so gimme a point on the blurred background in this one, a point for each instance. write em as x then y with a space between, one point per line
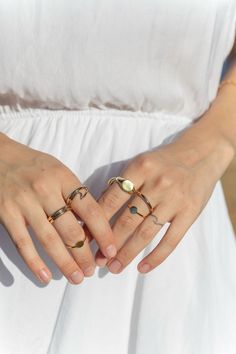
229 178
229 184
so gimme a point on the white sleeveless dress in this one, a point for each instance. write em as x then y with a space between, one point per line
187 305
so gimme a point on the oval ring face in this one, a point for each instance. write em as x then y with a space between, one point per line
127 185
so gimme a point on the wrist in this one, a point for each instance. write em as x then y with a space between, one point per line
9 149
3 139
205 143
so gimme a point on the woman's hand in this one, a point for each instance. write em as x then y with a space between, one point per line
178 180
33 185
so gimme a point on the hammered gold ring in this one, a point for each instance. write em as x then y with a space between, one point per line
124 184
58 213
76 191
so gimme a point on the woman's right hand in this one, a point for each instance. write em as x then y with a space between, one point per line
34 185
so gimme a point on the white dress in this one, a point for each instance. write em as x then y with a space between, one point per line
187 305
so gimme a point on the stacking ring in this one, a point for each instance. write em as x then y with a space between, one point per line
134 210
78 244
125 184
58 213
72 195
155 220
149 205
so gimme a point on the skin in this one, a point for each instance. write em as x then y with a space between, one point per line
178 179
33 185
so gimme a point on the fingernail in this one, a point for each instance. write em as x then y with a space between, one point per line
115 266
101 262
145 267
76 277
44 276
89 271
111 251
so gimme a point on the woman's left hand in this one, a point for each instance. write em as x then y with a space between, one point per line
178 180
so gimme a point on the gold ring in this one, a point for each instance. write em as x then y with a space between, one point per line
76 191
78 244
58 213
125 184
149 205
155 220
134 210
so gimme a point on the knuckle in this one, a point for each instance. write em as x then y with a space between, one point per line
21 242
124 256
7 207
110 200
155 260
73 233
49 240
163 182
170 242
11 189
126 221
21 197
84 262
104 239
60 170
146 233
93 210
191 209
40 186
144 162
33 262
68 266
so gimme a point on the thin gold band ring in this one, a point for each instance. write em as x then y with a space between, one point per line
149 205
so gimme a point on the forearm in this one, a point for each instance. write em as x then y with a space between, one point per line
222 113
3 138
5 143
214 134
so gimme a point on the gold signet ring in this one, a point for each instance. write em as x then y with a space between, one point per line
125 184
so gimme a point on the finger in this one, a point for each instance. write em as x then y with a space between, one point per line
142 236
53 244
113 198
93 216
126 224
87 233
71 232
166 246
19 234
133 215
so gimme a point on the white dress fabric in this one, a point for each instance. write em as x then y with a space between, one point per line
187 305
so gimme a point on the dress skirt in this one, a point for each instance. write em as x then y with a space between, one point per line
187 305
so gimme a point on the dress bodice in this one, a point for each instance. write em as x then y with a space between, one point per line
157 55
